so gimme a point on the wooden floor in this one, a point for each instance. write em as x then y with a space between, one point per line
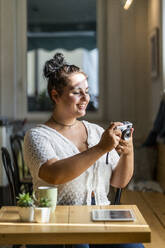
152 206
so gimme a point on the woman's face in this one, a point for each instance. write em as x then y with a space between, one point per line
75 97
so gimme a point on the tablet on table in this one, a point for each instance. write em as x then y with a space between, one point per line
112 215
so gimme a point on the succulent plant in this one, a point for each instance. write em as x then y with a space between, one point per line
43 202
25 200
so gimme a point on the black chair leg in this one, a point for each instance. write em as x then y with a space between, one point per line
118 196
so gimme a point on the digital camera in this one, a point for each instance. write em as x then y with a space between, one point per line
125 129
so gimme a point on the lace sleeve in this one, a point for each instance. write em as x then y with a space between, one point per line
37 150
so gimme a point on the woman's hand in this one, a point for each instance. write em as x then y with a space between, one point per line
124 169
125 146
111 137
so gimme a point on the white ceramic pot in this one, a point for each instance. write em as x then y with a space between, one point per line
26 214
42 215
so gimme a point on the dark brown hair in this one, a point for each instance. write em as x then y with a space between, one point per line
57 72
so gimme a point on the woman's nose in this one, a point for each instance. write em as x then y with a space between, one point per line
85 96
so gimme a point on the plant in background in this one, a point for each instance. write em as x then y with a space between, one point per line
43 202
44 102
42 210
25 200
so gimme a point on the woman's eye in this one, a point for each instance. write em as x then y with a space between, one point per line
76 93
80 93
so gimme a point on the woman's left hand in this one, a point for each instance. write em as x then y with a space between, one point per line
125 146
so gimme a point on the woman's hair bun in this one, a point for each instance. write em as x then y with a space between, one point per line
53 65
59 59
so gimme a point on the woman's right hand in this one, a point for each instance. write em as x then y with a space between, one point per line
111 137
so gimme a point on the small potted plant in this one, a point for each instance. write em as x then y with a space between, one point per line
42 210
26 203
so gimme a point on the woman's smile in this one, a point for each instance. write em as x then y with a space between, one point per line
82 106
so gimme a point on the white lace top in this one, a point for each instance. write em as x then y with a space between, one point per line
43 143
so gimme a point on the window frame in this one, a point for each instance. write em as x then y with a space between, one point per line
98 114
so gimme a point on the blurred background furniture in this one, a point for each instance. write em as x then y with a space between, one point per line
9 169
21 171
117 196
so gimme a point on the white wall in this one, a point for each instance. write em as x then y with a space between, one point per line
125 60
12 58
7 57
155 20
142 84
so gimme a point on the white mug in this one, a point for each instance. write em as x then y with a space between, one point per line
48 192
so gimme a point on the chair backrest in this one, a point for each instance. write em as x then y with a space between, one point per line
117 196
7 163
22 172
118 191
17 152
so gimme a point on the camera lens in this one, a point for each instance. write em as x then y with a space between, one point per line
126 134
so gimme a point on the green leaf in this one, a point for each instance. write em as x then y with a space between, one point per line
25 200
43 202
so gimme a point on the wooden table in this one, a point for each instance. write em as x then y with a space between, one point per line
73 225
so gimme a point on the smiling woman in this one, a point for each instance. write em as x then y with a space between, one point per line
70 153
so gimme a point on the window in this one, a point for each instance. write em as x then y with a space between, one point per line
64 26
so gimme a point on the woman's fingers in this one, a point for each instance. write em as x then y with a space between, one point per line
132 130
120 149
124 142
113 125
113 128
125 146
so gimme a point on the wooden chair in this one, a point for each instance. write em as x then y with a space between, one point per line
118 191
13 187
7 163
21 172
